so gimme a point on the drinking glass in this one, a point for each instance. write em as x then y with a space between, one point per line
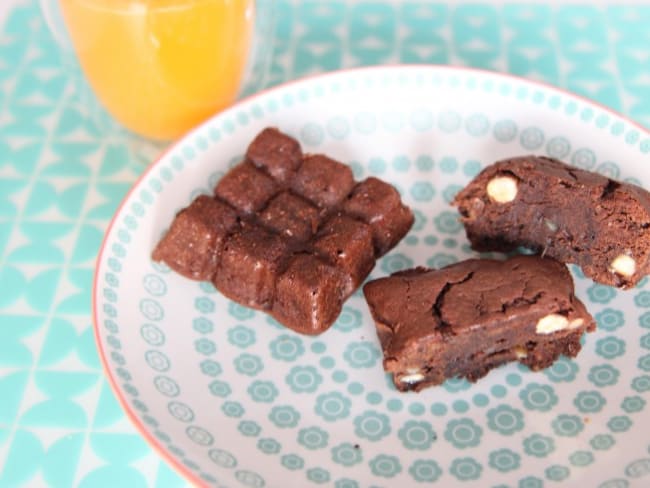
160 67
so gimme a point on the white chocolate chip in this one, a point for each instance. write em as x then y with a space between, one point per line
502 189
575 323
521 352
552 323
623 265
412 376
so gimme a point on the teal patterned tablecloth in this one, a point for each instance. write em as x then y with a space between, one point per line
64 167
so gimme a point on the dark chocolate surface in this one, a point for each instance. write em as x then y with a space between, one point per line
291 216
572 215
278 236
467 318
277 153
246 188
347 243
323 181
378 204
309 294
195 239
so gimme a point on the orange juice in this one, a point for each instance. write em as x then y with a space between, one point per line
161 66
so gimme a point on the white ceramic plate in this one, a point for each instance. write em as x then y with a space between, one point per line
231 398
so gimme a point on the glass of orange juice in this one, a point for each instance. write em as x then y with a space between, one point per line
160 67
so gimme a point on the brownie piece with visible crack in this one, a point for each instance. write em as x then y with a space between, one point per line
286 233
470 317
570 214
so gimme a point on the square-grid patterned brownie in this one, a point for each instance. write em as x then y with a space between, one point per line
467 318
290 234
567 213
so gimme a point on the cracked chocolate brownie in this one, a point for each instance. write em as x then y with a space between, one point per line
472 316
290 234
569 214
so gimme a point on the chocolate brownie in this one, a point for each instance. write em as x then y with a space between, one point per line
379 205
193 243
288 234
309 294
347 243
246 188
279 154
250 262
472 316
569 214
323 181
292 216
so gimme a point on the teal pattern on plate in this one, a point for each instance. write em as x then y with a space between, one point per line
376 423
64 168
